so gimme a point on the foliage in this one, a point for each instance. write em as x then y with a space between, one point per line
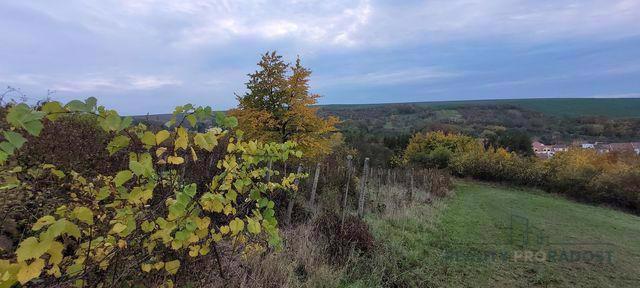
342 240
278 107
434 149
612 178
512 140
146 217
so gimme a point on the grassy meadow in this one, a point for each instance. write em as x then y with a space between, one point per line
416 243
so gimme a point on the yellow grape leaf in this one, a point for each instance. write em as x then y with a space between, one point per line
83 214
31 248
160 151
194 156
229 209
183 139
31 271
43 221
158 265
253 226
118 227
56 253
172 266
224 229
55 271
161 136
236 226
177 160
194 251
146 267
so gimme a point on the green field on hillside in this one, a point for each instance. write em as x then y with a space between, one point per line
571 107
452 243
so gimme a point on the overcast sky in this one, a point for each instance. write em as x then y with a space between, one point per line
148 56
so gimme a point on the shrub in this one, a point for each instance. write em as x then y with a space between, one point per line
342 240
149 216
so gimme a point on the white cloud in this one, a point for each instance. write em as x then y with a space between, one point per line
389 77
91 83
320 23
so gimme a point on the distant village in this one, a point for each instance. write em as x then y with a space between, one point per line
545 151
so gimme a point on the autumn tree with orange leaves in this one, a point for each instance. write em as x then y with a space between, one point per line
278 107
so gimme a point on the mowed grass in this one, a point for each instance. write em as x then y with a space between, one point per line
417 244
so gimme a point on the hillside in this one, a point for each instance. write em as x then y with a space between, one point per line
571 107
449 244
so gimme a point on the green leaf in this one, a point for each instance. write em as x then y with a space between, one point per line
77 106
7 147
14 138
53 110
140 196
90 104
122 177
112 122
148 138
31 248
136 167
61 226
192 120
103 193
22 116
231 122
83 214
118 227
117 143
43 222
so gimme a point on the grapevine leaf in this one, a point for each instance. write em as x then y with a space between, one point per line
236 226
31 271
183 139
22 116
253 226
53 109
83 214
148 138
31 248
122 177
117 143
14 138
55 250
118 227
77 106
192 120
43 221
136 167
172 266
161 136
177 160
7 147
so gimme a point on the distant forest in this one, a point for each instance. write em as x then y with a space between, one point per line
384 129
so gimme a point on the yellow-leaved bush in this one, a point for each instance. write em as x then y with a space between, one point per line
146 218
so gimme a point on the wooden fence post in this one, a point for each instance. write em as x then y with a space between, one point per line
312 199
363 187
411 185
346 191
292 198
